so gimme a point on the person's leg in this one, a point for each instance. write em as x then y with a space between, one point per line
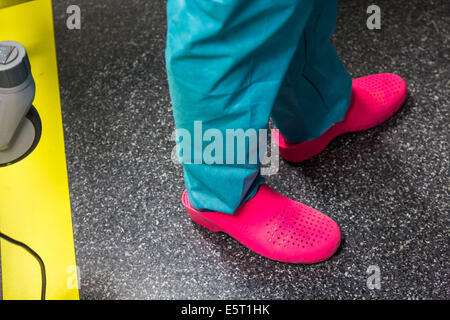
318 100
226 61
316 90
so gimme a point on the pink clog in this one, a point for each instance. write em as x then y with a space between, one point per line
275 227
374 99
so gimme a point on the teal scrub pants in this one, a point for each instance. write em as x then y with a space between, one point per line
232 64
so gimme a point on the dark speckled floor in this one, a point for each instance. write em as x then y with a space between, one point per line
387 188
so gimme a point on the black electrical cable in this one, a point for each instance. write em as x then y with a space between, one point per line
35 255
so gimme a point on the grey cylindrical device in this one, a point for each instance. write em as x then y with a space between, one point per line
20 124
17 89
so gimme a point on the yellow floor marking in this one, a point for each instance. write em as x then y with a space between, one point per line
9 3
34 194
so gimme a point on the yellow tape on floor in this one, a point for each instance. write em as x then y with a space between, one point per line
34 194
9 3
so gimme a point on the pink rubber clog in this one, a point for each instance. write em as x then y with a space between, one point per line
374 99
275 227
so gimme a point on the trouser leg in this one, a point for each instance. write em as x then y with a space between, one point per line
316 91
226 61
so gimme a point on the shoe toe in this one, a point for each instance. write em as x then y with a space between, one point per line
383 93
300 234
